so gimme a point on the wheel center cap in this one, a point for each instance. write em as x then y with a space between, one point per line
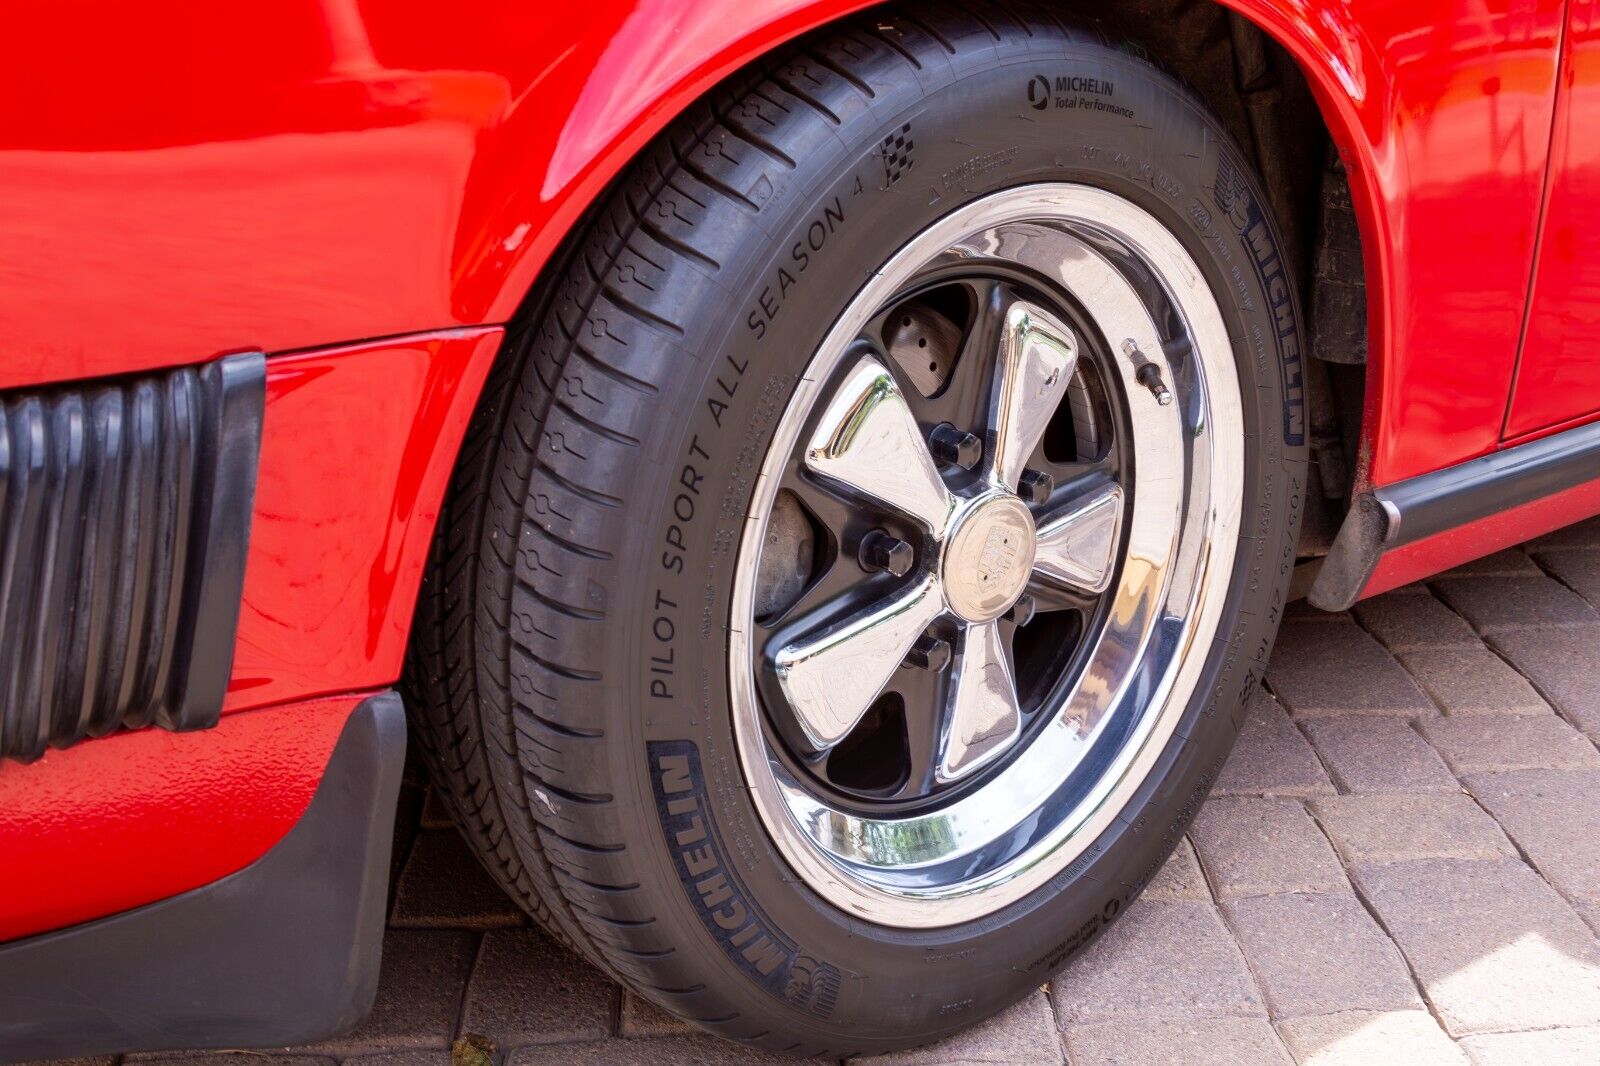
988 557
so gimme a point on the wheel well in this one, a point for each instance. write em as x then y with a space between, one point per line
1260 93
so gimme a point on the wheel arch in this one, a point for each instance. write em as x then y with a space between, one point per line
621 87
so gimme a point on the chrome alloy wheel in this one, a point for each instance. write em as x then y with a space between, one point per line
987 555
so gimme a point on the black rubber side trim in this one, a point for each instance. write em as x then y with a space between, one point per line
285 951
125 511
1424 506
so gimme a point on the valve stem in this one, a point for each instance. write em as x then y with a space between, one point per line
1148 373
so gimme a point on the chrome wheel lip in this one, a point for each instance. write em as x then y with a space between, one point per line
1026 824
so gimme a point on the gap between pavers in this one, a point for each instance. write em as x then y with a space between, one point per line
527 989
1471 679
1412 618
1191 1041
1495 948
1549 1047
1337 668
1577 568
1271 757
1025 1032
1160 960
1564 666
1378 755
1554 817
1496 605
1364 1038
1496 743
1318 953
1398 828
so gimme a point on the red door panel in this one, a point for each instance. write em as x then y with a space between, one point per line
1558 377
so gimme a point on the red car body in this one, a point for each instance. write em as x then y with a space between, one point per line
367 192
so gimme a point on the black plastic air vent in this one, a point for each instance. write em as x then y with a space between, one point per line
124 518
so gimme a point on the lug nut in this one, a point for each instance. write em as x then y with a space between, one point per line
1036 486
929 653
880 551
955 447
1021 612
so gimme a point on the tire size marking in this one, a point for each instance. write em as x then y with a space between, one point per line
1141 171
738 925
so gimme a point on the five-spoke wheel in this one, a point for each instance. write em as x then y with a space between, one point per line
981 556
983 537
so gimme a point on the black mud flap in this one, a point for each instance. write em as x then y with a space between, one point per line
285 951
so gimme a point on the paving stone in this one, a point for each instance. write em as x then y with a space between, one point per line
1471 679
1302 611
1024 1033
1271 757
1412 617
1508 562
641 1018
1585 534
1501 604
671 1051
1496 948
1554 816
1316 954
419 993
1397 828
1549 1047
1577 568
1589 911
1255 847
1505 742
1563 664
1191 1041
527 989
396 1058
1321 668
1161 960
213 1058
1379 755
444 886
1360 1038
1180 879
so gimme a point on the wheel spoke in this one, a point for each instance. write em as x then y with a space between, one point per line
1036 357
1078 542
983 718
831 678
869 442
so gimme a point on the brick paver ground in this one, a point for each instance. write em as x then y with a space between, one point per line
1401 863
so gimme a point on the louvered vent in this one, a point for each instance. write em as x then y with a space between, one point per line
124 519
